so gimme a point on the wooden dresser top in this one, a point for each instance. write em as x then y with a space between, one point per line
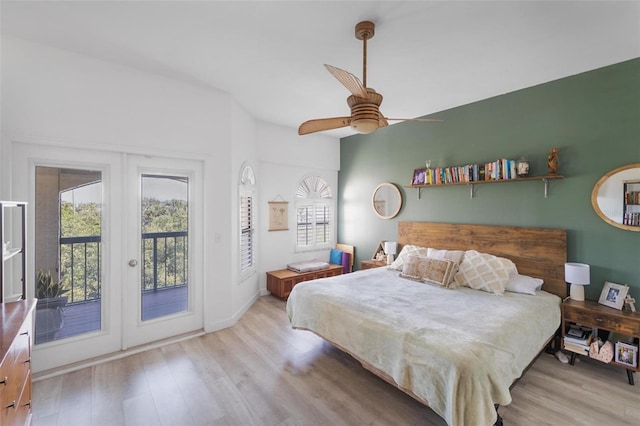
12 316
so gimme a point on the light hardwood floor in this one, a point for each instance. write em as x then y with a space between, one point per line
260 372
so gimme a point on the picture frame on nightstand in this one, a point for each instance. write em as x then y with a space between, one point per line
626 354
613 295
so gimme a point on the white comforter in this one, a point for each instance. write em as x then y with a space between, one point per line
458 350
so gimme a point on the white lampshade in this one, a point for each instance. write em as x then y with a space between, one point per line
578 275
390 247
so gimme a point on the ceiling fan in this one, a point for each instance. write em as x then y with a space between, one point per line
364 101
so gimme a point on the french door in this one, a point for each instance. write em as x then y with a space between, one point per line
121 234
164 209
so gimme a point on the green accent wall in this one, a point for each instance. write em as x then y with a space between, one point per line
593 119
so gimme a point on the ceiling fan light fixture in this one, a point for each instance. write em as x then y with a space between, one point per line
365 125
364 102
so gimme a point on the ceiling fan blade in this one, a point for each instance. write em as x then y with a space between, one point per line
348 80
427 120
321 124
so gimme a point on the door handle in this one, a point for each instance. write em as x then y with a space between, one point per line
133 263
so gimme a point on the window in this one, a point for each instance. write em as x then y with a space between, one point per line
314 214
247 219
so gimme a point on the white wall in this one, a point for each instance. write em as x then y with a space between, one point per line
244 290
58 98
285 159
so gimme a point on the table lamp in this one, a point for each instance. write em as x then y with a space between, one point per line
578 275
390 249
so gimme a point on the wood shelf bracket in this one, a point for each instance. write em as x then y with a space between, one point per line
546 187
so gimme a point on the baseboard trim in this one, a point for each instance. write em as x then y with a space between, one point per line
114 355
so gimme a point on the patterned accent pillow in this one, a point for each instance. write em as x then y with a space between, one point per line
428 270
486 272
406 251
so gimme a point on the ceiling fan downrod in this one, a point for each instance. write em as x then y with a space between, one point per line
364 31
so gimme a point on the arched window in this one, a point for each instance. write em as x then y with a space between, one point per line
247 219
314 214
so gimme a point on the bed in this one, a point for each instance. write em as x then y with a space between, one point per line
457 350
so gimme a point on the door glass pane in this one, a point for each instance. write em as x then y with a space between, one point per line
68 239
164 271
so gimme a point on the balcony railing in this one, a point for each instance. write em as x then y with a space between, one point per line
164 264
80 267
164 260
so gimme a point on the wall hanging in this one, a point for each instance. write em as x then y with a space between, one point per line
278 215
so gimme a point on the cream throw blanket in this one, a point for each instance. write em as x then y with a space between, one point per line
457 349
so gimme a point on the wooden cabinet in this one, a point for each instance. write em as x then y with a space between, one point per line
281 282
368 264
15 369
600 317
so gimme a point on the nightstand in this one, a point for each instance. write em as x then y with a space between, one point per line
600 317
368 264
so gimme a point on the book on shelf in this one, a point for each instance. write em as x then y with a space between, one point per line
501 169
578 335
583 342
577 339
581 349
575 331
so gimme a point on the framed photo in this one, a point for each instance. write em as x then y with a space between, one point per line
419 177
278 216
626 354
613 295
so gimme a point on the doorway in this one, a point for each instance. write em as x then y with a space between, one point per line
118 243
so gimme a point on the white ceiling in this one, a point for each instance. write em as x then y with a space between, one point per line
426 56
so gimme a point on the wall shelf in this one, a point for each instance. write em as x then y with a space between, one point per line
471 185
21 248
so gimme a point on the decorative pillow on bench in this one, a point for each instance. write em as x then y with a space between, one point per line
307 266
335 256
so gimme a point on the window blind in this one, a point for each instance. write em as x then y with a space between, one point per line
247 249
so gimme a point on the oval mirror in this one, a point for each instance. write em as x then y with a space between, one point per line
386 200
615 197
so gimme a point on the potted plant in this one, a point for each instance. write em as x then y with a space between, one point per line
49 293
50 307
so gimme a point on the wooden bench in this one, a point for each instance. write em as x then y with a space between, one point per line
281 282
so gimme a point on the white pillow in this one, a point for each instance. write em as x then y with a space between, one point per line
455 255
406 251
486 272
523 284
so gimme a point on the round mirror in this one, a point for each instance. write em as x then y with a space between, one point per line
616 197
386 200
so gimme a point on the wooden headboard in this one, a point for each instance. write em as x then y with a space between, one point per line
537 252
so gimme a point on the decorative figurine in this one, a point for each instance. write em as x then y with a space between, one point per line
522 167
552 163
630 302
